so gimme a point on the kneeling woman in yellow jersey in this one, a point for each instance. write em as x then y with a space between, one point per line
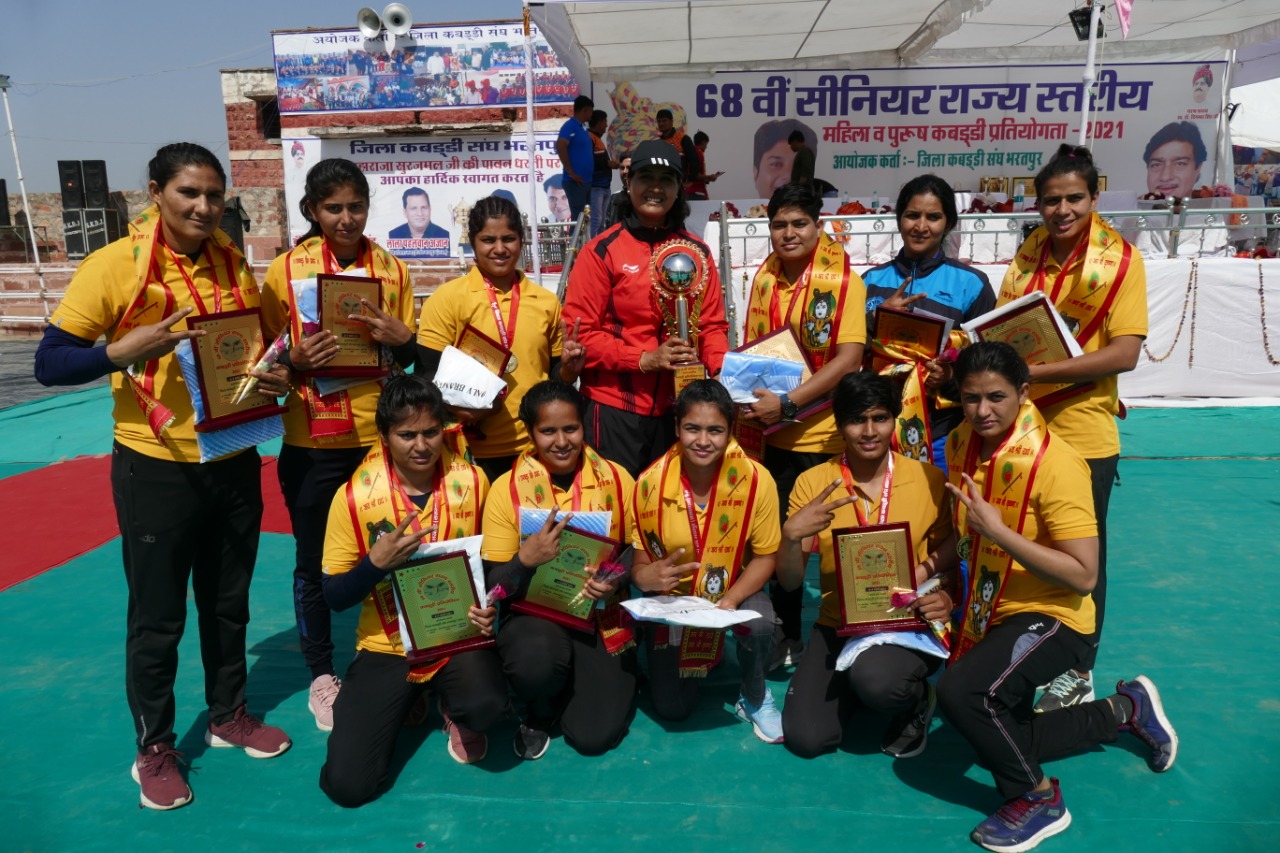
1024 515
496 300
707 521
409 488
586 680
875 486
326 437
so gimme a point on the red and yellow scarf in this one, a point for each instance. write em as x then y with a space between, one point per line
912 434
151 256
821 294
1010 473
329 418
597 487
667 518
377 503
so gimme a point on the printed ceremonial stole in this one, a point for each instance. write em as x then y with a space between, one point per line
1085 305
531 486
329 418
913 433
719 543
821 294
150 255
1010 473
377 503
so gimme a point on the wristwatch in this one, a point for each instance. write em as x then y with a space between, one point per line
789 409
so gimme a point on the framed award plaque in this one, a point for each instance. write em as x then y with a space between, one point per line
232 343
780 343
358 353
485 350
922 331
554 587
435 595
870 563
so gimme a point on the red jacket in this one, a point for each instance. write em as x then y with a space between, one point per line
611 291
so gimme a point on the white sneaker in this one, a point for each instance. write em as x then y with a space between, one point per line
324 690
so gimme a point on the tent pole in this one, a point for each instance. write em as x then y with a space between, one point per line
531 146
1090 77
1224 161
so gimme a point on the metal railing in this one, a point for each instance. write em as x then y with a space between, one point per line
864 235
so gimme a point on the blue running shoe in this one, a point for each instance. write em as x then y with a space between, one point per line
765 718
1023 822
1149 723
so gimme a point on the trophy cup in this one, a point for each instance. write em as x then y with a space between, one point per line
679 275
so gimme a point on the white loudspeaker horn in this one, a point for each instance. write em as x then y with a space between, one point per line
397 18
369 23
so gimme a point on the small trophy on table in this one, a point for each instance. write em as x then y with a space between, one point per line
679 276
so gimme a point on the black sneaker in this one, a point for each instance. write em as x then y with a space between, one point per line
786 652
530 742
908 733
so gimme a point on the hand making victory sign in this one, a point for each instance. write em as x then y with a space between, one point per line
815 516
385 329
573 355
149 342
543 546
394 548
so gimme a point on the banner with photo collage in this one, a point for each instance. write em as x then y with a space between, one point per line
455 65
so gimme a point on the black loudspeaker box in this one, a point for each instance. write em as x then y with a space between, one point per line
71 180
73 234
95 183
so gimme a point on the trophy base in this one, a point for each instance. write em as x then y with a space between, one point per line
685 374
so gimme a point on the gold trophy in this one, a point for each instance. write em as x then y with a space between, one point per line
679 275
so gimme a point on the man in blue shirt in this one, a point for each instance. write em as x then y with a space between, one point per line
574 149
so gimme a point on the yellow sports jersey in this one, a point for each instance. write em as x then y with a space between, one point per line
818 433
100 293
397 300
1061 508
502 522
918 496
764 537
538 338
342 552
1087 421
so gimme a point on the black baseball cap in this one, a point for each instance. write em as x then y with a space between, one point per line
655 152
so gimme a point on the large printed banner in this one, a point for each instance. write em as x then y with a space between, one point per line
421 189
874 129
447 66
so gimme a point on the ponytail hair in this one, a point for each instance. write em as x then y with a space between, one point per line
1069 160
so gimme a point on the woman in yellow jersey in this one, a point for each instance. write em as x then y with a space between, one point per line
1024 516
875 485
327 433
179 518
706 525
1099 285
409 489
587 681
496 300
806 285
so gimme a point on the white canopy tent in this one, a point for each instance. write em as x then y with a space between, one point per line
620 40
633 39
1256 123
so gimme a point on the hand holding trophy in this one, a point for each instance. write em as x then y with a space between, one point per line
679 275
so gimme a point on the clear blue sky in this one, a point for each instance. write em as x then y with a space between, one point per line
115 80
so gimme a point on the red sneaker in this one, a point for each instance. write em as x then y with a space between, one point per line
465 746
157 771
250 734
